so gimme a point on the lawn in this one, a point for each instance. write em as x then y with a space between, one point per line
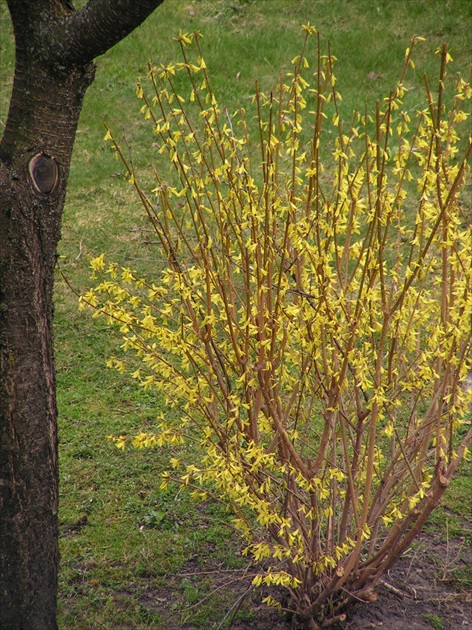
132 555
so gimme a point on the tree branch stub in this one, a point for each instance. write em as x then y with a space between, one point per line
43 173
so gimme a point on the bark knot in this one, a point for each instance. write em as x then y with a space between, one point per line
43 173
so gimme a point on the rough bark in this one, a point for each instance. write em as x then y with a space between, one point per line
55 48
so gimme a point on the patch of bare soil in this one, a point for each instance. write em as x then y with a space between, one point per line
425 589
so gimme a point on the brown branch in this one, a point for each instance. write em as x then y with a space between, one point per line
81 36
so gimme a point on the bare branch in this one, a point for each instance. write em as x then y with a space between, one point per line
80 37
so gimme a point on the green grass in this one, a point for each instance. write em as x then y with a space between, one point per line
133 556
435 621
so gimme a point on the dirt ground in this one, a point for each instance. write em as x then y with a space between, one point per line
423 590
427 589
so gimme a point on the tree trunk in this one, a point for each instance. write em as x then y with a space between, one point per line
55 47
35 166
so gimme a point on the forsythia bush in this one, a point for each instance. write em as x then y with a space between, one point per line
311 325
